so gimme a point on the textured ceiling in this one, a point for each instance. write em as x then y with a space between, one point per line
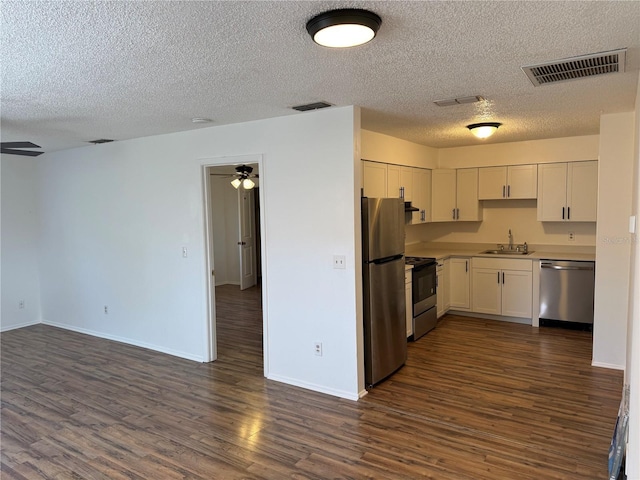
77 71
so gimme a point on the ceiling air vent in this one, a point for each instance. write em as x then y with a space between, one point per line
458 101
100 140
576 67
312 106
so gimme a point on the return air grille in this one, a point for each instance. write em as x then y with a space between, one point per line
576 67
312 106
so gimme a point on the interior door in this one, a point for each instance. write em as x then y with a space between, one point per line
247 242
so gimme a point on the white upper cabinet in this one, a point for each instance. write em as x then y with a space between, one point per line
421 195
374 179
568 192
514 181
454 195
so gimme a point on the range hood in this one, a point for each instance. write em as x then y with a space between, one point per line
410 208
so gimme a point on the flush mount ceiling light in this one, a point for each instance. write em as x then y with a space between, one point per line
484 129
344 27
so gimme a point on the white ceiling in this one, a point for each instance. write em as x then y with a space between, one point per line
82 70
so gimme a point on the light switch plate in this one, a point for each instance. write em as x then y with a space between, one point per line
632 224
339 261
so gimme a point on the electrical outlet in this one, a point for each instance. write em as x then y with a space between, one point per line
21 304
106 310
185 252
339 261
572 237
317 348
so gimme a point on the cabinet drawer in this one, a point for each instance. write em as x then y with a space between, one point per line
503 263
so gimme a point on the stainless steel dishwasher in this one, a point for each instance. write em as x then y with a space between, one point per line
566 290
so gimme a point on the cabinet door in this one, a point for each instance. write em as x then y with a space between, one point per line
522 181
409 302
487 291
440 292
406 183
582 191
492 183
443 195
552 192
374 179
445 284
517 293
468 206
459 285
393 181
422 195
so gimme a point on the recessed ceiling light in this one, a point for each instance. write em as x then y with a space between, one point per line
201 120
484 130
344 27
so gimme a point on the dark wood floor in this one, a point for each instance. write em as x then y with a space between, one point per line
477 400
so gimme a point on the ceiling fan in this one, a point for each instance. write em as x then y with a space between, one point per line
15 148
242 177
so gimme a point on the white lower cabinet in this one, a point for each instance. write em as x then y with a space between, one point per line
408 296
502 287
442 287
459 283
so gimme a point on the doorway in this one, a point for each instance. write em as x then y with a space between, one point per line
233 230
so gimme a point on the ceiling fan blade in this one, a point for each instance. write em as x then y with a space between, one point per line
19 145
25 153
223 174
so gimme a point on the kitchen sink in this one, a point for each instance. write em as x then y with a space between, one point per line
506 252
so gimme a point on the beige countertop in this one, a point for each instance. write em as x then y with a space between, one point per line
468 250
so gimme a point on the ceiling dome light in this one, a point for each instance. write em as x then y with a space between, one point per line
484 130
344 28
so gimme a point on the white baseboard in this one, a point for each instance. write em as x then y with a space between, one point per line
128 341
314 387
20 325
611 366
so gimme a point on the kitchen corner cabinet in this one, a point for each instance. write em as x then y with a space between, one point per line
568 192
509 182
459 283
454 195
502 287
442 287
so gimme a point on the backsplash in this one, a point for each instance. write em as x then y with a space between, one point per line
499 216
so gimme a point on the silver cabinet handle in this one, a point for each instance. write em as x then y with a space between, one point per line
401 192
466 266
503 277
454 213
498 277
503 192
568 213
508 190
563 213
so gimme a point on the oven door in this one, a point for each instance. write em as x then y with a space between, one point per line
423 288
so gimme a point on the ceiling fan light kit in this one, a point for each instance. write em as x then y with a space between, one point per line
484 129
344 27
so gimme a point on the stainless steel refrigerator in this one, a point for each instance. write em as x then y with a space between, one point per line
385 333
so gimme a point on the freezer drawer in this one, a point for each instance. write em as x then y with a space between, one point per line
566 291
384 320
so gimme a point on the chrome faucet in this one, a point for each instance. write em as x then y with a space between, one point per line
510 240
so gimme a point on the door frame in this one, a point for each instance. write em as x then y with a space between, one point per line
210 333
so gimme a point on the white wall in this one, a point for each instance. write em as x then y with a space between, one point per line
116 216
613 248
19 232
384 148
632 371
550 150
225 230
